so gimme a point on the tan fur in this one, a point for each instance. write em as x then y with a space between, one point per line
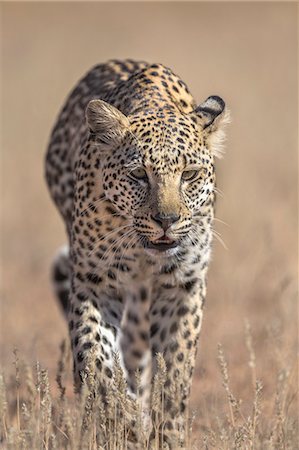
106 120
168 196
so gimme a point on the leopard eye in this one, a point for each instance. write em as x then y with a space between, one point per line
138 174
190 175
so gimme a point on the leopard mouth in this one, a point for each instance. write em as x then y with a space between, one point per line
162 244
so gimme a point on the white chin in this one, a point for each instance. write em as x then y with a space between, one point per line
162 253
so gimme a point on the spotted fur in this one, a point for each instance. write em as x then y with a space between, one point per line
130 166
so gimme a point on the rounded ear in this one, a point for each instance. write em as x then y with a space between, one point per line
210 110
106 121
212 117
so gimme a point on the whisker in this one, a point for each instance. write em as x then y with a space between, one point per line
100 218
219 238
127 235
91 205
116 230
199 214
218 192
134 137
220 221
115 244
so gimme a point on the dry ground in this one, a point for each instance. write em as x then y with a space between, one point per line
247 54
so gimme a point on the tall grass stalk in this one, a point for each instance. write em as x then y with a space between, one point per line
34 418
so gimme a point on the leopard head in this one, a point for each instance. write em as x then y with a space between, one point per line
157 167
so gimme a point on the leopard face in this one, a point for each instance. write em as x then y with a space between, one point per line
159 174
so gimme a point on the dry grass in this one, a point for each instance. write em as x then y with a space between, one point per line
33 417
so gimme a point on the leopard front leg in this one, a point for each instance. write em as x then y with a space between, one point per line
175 335
93 330
102 327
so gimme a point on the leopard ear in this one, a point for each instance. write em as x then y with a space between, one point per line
213 117
210 111
106 121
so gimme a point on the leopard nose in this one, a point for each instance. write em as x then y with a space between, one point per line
165 221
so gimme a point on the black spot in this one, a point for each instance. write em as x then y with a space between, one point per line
180 357
174 327
186 334
58 275
154 329
137 354
99 364
122 267
80 277
85 330
143 294
93 319
110 210
188 286
196 321
132 317
167 285
167 383
111 275
183 310
82 297
164 310
173 347
80 357
78 325
168 269
87 345
94 278
144 335
108 372
114 314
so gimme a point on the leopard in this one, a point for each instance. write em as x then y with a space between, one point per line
130 167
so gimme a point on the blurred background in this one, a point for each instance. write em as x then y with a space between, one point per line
244 52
